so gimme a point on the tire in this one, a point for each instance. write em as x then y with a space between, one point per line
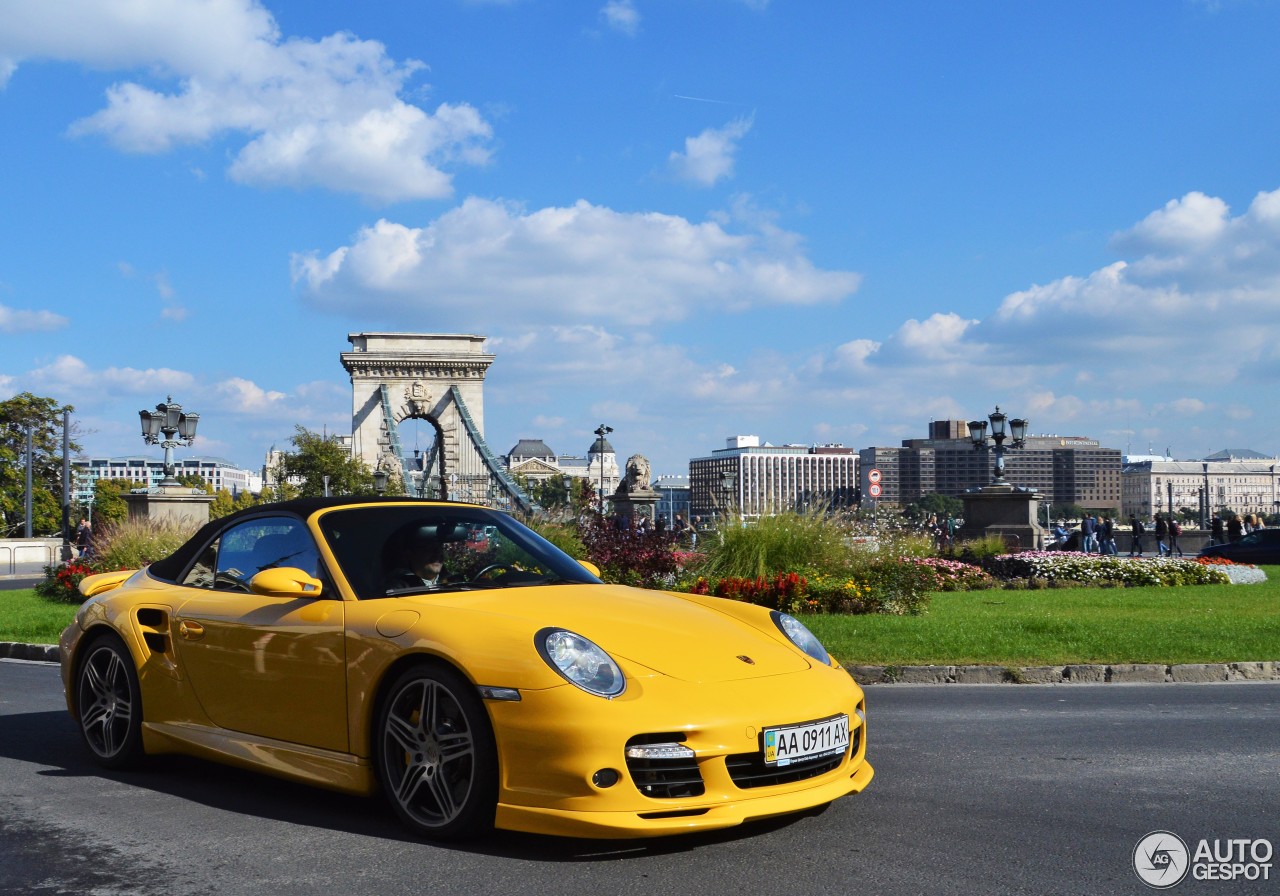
108 703
435 754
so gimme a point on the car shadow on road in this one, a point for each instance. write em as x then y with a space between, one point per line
50 741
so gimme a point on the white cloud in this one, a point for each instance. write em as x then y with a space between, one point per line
562 265
1184 223
621 15
69 375
709 156
1183 338
938 336
324 113
248 397
16 321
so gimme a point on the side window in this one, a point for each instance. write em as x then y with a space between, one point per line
242 552
201 573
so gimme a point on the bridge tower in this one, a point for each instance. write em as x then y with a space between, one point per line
438 378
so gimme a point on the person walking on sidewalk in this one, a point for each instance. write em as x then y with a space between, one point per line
1135 546
1175 529
1162 535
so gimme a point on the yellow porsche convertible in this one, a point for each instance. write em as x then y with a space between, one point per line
450 657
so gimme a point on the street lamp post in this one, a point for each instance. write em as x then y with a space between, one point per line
380 481
727 480
1002 428
177 428
601 432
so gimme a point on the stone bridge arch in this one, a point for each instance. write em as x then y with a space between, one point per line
434 377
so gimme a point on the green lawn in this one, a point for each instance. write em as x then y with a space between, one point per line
1193 624
27 618
1200 624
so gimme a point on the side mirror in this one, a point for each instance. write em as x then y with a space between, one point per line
285 581
590 567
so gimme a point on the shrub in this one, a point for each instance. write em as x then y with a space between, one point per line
628 557
785 542
561 534
980 550
62 583
133 544
127 544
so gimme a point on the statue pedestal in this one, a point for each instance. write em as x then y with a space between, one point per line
1008 511
633 505
179 504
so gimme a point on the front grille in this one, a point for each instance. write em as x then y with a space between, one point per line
665 778
748 769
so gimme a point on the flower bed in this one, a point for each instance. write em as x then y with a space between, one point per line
1091 569
953 575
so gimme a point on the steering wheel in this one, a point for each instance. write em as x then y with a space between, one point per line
500 568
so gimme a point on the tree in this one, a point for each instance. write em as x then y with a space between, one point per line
44 416
942 505
109 505
550 493
315 457
195 480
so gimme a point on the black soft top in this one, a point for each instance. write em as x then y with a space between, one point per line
171 567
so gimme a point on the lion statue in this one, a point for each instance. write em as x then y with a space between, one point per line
638 474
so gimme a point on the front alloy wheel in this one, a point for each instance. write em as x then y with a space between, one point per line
109 703
436 756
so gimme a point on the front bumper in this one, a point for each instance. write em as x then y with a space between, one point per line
553 743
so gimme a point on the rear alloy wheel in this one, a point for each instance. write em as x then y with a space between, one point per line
435 753
109 703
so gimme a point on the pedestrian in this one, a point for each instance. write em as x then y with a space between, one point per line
1108 545
1162 535
1088 532
84 540
1135 546
1175 529
1061 535
1235 528
1217 531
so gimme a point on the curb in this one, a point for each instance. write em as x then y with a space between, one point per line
1120 673
39 653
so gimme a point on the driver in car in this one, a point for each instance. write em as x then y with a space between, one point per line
420 564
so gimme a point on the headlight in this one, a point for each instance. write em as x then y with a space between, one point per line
580 662
800 636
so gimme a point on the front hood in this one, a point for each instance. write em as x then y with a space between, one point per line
664 633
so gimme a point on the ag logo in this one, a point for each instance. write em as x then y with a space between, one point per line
1161 860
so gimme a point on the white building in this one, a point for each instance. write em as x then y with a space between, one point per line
219 472
534 460
1238 481
756 479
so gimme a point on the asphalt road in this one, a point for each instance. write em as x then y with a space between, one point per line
979 790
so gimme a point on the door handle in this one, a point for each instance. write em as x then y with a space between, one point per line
192 631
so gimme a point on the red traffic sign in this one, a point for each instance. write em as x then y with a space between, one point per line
875 490
873 475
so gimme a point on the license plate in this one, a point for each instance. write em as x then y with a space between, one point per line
810 740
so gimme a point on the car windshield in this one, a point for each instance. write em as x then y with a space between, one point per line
393 549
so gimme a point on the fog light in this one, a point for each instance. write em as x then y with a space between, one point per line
659 751
606 777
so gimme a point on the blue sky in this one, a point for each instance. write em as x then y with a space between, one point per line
809 221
